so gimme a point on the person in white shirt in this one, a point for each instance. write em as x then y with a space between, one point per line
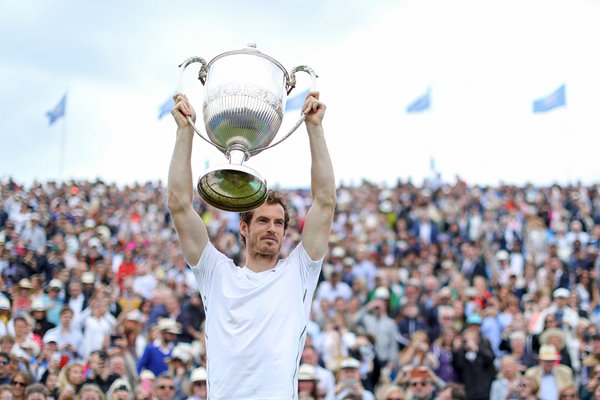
333 288
256 314
97 325
144 282
67 338
76 300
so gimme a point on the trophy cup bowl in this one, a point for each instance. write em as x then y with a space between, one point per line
243 108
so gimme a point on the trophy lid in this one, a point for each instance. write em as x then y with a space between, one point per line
251 50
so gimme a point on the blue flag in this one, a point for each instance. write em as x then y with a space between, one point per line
296 102
166 107
553 100
421 104
58 111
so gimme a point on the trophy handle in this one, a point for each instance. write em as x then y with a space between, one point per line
291 84
202 77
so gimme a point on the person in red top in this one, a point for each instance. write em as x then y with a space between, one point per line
126 268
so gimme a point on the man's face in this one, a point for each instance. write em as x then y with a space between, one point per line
65 318
349 375
21 328
264 235
199 389
309 356
421 388
547 365
164 389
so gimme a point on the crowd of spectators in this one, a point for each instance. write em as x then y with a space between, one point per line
447 291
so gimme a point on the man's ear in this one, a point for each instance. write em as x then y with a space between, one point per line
243 228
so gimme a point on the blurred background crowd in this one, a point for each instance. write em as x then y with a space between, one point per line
447 291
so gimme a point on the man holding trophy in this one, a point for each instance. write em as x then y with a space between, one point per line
256 314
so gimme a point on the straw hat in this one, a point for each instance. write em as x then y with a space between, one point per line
553 332
198 375
25 284
169 325
548 353
307 372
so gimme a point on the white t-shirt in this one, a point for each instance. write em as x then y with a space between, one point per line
255 324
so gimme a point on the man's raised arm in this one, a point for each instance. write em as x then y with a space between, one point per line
191 231
317 225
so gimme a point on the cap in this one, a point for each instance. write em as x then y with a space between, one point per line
548 353
49 338
502 255
25 283
382 293
307 372
38 305
147 374
4 303
88 277
199 374
338 252
56 284
419 372
474 319
181 354
562 293
350 363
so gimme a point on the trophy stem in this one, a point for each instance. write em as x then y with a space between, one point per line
237 155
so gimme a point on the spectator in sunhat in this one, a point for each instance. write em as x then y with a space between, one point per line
53 300
198 388
548 375
22 296
41 325
5 314
155 353
307 382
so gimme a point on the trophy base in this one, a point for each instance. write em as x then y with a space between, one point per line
233 187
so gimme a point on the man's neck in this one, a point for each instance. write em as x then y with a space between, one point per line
260 262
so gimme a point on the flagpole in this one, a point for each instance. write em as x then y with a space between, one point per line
62 149
568 149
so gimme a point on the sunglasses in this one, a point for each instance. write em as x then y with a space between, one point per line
17 383
418 383
163 387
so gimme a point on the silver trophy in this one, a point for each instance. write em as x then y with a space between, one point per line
244 103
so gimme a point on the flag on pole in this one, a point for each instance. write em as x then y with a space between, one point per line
554 100
421 104
58 111
166 107
296 102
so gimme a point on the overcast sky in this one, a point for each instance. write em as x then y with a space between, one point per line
485 61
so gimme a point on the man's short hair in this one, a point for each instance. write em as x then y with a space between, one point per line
164 375
37 388
65 309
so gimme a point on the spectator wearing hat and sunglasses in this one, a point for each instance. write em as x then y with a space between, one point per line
550 376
